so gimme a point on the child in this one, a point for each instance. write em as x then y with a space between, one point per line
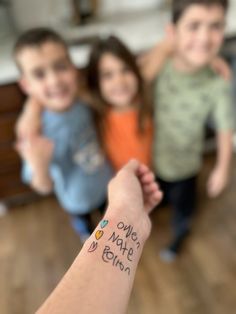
67 156
122 112
187 92
118 93
120 96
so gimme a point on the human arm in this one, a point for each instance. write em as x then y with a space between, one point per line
224 121
37 152
98 281
152 62
219 177
220 66
29 122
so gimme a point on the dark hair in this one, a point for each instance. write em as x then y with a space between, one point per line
180 6
114 46
36 37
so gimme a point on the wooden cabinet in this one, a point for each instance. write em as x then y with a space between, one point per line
11 188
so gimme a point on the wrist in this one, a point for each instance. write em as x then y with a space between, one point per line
131 222
42 182
116 244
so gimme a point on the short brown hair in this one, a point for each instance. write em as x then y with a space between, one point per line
180 6
36 37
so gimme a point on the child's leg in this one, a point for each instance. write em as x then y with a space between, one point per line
82 225
164 186
182 197
183 200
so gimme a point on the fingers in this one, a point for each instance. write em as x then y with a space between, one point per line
132 165
147 178
150 188
145 175
142 169
152 194
153 200
20 147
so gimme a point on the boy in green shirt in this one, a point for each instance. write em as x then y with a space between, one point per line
187 93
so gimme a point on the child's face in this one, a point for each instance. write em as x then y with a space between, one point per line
118 84
48 75
199 34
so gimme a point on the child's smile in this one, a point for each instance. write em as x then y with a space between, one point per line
117 82
49 76
199 35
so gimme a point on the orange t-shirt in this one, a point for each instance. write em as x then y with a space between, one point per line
123 141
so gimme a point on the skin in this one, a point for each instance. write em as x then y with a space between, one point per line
38 151
92 285
50 79
118 83
194 43
198 38
48 75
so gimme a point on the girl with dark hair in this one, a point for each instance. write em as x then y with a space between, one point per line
122 110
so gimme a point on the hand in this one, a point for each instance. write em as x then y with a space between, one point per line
220 66
217 182
29 123
37 151
132 194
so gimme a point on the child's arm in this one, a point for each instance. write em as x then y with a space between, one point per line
37 152
100 279
220 66
152 62
220 175
29 122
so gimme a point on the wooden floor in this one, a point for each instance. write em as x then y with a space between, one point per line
37 245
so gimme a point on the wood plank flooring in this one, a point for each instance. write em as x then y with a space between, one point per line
37 245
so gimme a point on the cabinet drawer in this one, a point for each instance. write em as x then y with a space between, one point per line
12 190
11 98
7 125
9 159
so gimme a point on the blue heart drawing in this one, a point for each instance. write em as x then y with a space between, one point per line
104 223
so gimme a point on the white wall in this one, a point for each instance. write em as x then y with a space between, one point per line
114 6
31 13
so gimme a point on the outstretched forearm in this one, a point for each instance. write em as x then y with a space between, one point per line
101 278
105 267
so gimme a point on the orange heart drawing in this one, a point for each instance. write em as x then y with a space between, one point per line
99 234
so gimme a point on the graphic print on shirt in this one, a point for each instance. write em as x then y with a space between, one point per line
88 154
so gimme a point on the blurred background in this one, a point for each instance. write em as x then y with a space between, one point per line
37 244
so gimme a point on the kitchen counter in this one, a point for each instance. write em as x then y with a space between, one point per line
139 31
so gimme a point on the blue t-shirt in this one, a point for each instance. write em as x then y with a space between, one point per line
79 169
